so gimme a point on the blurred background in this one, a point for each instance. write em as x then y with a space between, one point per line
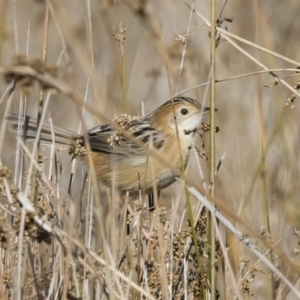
255 122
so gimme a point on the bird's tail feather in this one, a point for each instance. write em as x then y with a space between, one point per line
28 127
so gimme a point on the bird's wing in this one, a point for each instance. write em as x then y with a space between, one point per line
106 138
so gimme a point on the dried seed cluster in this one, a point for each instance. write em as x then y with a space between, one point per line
126 122
114 139
5 172
291 100
206 127
7 278
153 273
120 36
181 38
31 229
77 148
26 81
248 274
292 97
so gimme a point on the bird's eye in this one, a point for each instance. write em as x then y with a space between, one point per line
184 111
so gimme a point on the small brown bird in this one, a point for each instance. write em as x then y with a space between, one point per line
121 162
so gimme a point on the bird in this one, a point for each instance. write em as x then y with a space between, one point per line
121 162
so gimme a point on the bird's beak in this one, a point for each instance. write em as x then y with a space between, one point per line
207 109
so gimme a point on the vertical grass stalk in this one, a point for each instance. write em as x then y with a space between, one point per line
211 229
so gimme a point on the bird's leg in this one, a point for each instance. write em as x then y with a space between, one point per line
151 201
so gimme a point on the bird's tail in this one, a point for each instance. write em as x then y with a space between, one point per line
28 128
